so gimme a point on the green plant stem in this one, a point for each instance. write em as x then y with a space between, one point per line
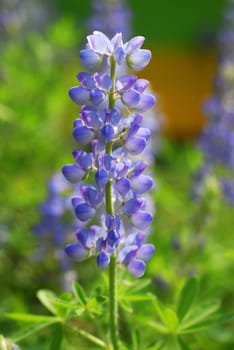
113 300
113 304
88 336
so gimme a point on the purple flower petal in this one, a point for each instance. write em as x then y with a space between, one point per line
141 219
138 239
145 133
134 127
76 251
136 145
79 95
136 268
113 238
90 117
123 186
141 85
73 173
86 80
115 116
91 195
134 44
131 98
86 238
84 211
140 166
78 122
119 55
103 260
107 133
83 158
131 206
76 201
89 58
99 43
142 183
146 102
138 59
126 82
103 81
97 96
127 254
145 252
101 178
118 50
83 135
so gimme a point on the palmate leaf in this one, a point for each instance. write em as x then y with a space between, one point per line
33 328
200 312
159 309
187 298
208 322
137 286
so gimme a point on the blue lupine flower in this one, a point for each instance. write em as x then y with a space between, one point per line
110 130
217 138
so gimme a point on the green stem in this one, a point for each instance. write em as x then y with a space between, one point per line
88 336
113 302
113 305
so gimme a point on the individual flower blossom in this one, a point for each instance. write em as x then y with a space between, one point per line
99 49
111 206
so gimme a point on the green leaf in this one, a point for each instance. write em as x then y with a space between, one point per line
209 322
27 331
171 320
136 298
159 327
187 297
57 337
200 312
137 286
79 293
159 308
126 306
47 297
30 318
136 339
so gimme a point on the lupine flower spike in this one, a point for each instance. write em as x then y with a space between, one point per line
115 215
217 139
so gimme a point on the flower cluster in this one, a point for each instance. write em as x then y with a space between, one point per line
217 138
110 17
116 217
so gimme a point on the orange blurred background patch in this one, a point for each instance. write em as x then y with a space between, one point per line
182 81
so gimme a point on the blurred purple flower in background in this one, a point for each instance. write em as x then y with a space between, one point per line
56 223
217 138
110 17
